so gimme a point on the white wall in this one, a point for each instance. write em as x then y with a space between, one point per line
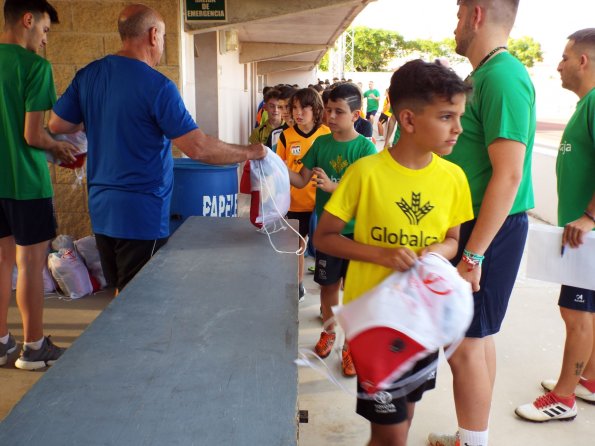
234 101
302 78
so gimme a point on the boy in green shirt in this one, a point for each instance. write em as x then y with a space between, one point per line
327 160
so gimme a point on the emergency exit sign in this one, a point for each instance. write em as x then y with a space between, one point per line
205 11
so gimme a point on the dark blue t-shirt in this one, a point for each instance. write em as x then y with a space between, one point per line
130 112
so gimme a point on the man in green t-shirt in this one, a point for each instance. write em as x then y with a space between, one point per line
576 214
26 212
372 97
494 151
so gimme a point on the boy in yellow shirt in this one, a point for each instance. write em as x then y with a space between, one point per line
406 200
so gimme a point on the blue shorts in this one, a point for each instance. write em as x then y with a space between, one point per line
28 221
498 273
328 269
371 113
578 299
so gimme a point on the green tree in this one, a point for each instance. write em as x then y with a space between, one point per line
373 49
526 49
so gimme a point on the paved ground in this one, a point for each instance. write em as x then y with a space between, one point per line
529 350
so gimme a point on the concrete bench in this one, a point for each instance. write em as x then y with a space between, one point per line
197 350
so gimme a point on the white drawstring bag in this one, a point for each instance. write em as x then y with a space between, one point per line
270 178
62 242
87 249
404 319
70 273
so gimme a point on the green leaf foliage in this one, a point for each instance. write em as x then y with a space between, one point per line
375 49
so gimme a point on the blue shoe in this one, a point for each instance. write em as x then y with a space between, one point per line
31 359
7 349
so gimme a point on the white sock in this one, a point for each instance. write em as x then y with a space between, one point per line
473 438
4 339
34 345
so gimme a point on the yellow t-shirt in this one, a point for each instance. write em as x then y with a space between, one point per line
395 206
292 146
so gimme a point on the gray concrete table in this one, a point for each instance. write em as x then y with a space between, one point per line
197 350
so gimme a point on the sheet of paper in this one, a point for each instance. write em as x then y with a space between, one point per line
545 262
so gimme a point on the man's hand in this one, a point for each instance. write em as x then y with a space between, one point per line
575 231
399 259
257 151
472 276
64 151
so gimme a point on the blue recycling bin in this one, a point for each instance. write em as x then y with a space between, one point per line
202 190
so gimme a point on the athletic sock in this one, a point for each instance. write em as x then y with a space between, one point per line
473 438
589 384
34 345
4 339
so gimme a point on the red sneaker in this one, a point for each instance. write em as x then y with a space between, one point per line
347 363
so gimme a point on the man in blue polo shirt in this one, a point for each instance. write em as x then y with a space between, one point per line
132 114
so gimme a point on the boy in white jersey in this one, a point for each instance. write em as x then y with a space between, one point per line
406 201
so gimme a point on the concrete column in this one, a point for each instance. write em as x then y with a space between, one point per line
207 82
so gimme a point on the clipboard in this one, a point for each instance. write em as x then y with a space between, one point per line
575 268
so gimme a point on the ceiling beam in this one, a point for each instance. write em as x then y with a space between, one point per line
271 66
259 51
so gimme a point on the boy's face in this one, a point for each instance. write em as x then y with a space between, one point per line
438 125
339 117
273 108
285 112
302 115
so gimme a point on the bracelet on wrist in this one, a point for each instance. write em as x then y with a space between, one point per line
589 215
472 259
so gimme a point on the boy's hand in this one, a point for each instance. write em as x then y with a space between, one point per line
472 276
399 259
322 181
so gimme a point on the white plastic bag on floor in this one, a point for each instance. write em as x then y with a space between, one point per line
49 286
70 273
87 249
63 242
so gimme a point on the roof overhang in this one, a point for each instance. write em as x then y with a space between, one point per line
285 35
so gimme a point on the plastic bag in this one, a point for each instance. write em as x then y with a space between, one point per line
404 319
62 242
77 139
268 177
70 273
87 249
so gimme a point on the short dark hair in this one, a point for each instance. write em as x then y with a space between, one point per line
584 38
419 83
308 97
286 92
350 93
15 9
271 93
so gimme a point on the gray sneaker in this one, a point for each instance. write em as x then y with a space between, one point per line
38 359
7 349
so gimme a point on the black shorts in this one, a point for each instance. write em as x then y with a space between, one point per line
498 273
578 299
28 221
383 118
304 221
384 409
121 258
370 113
328 269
